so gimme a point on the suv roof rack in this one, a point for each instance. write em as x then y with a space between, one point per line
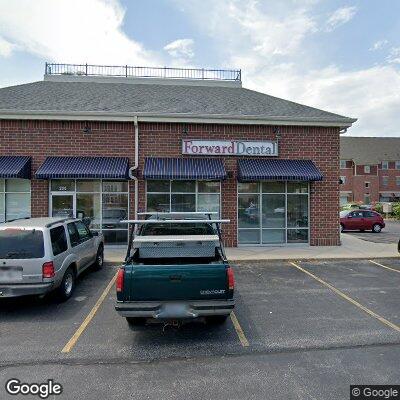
60 221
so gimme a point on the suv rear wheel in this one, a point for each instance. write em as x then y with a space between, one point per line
376 228
65 290
98 264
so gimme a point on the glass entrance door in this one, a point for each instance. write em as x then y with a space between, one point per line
62 205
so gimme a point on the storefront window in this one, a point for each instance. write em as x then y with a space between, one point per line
249 211
115 209
106 203
183 202
15 199
88 206
183 196
249 187
88 186
273 212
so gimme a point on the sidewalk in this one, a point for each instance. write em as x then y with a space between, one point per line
352 247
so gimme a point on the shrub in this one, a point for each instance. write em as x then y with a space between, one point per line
379 208
396 210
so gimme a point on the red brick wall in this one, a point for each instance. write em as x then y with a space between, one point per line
318 144
40 139
356 183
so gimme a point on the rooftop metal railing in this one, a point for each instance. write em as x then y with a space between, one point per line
143 72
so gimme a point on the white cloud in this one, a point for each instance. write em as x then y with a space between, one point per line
379 45
271 47
394 55
72 31
264 33
181 48
339 17
6 47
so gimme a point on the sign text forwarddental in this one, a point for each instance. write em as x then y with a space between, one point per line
229 148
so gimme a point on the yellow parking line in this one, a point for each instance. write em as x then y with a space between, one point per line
72 342
239 330
384 266
349 299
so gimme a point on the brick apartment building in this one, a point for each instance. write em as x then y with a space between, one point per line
369 169
105 142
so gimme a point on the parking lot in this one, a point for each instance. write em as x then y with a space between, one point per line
390 234
301 330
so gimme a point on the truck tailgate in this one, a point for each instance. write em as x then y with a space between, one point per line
176 282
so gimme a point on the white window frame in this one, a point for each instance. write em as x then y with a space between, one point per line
285 228
385 180
367 169
397 164
385 165
343 179
343 164
367 185
196 192
6 192
101 192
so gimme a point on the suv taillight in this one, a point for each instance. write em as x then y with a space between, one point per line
48 270
231 278
120 280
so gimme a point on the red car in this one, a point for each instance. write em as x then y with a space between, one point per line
361 220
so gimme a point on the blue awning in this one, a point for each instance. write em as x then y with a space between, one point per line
282 170
184 168
15 167
84 167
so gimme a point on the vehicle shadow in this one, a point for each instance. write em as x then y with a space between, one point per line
48 307
195 332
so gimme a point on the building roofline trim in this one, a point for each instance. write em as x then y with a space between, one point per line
178 117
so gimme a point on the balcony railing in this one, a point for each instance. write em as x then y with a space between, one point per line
143 72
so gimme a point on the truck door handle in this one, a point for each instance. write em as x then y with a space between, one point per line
175 278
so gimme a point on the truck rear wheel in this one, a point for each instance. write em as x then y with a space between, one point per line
216 319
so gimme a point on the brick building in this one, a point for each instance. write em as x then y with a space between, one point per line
369 169
106 146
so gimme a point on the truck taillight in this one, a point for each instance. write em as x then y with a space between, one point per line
231 278
120 280
48 270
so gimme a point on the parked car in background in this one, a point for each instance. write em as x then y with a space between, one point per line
40 255
361 220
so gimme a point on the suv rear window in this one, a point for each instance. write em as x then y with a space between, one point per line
21 243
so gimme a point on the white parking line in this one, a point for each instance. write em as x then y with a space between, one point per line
349 299
384 266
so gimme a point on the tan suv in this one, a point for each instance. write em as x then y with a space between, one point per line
39 255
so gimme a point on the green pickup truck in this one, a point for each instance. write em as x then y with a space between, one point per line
175 270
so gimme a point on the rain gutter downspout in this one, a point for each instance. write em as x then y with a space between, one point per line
132 170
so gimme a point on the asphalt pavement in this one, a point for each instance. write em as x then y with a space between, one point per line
389 234
311 329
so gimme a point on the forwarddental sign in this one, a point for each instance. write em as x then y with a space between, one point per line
229 148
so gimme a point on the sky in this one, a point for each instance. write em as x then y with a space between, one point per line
341 56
